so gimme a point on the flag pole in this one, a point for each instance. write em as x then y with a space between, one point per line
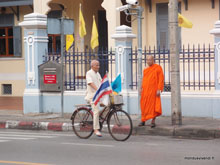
93 50
108 79
81 39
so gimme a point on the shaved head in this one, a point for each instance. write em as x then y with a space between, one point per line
150 60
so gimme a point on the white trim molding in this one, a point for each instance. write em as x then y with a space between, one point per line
218 71
32 92
120 51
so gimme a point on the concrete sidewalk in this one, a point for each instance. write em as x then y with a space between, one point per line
193 127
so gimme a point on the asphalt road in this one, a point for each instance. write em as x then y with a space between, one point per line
64 148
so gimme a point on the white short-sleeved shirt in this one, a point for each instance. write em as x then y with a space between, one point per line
92 77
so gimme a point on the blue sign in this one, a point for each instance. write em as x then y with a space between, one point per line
53 26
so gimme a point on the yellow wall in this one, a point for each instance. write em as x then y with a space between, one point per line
89 8
199 12
14 68
203 18
202 21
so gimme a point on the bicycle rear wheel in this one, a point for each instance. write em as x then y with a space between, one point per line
82 122
120 125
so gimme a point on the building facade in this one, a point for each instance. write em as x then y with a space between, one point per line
155 29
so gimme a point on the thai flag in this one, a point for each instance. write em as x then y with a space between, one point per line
104 89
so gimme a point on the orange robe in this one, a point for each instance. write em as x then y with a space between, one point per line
153 80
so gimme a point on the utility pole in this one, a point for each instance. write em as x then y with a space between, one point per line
174 62
62 54
139 14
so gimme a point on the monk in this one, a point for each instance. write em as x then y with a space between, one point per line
152 86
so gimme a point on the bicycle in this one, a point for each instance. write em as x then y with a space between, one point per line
118 121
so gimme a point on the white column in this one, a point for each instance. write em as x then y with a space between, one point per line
35 46
113 18
216 33
123 44
41 6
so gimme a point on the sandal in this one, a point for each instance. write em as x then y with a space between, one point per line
141 124
153 125
98 134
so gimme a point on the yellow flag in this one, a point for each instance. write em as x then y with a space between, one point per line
82 25
183 22
95 36
69 41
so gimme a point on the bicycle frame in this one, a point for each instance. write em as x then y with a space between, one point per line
111 108
102 119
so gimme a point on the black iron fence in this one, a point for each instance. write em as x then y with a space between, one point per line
196 66
78 63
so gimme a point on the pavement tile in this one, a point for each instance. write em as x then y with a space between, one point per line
194 131
217 133
158 130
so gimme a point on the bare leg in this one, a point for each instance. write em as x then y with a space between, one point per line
153 120
142 123
153 123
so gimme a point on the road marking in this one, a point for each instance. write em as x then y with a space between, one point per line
6 136
37 133
34 136
23 163
17 138
4 141
82 144
151 144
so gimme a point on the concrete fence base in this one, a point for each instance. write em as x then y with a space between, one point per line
193 104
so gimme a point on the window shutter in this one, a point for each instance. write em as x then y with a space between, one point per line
55 14
6 20
17 41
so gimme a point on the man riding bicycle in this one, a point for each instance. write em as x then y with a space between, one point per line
93 81
118 121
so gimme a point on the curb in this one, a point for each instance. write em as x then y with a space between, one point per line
179 132
190 132
36 125
161 131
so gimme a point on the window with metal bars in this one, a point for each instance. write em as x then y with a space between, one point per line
6 89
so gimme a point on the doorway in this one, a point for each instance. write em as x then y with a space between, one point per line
103 41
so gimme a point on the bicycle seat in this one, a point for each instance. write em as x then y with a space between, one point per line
82 105
102 105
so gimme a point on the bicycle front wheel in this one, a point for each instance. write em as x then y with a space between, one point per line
120 125
82 123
